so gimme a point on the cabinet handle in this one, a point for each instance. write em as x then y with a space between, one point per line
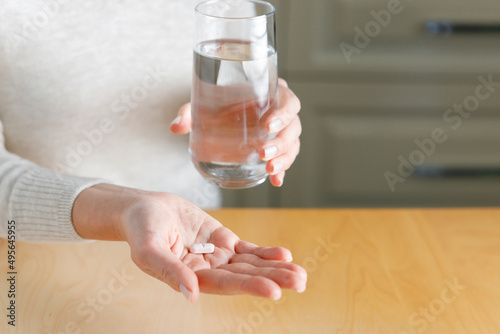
431 172
436 28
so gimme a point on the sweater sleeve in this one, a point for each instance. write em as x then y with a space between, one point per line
39 200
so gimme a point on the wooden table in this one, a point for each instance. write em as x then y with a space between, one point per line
370 271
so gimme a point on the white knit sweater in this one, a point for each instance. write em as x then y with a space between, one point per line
88 88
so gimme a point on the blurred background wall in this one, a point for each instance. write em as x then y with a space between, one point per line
400 104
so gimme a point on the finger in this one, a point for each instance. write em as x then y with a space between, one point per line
165 266
282 142
196 262
284 161
176 274
289 108
284 278
223 282
181 125
282 82
269 253
278 179
224 238
258 262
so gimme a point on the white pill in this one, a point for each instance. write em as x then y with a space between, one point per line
202 248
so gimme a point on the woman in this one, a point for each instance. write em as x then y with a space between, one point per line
87 91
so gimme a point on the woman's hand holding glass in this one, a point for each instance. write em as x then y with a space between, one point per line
280 152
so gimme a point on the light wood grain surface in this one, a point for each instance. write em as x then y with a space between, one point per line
370 271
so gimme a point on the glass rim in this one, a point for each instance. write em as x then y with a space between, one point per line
263 3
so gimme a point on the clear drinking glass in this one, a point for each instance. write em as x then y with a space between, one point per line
235 89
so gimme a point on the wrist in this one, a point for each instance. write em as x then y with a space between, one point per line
98 211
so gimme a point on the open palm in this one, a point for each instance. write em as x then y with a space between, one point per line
161 230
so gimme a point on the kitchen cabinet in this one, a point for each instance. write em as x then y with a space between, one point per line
376 80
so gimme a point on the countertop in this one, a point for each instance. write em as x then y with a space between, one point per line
370 271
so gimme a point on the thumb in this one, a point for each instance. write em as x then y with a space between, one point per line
182 123
169 269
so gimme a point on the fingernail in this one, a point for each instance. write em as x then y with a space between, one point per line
277 295
277 167
270 152
302 289
275 125
185 292
282 179
177 120
304 274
